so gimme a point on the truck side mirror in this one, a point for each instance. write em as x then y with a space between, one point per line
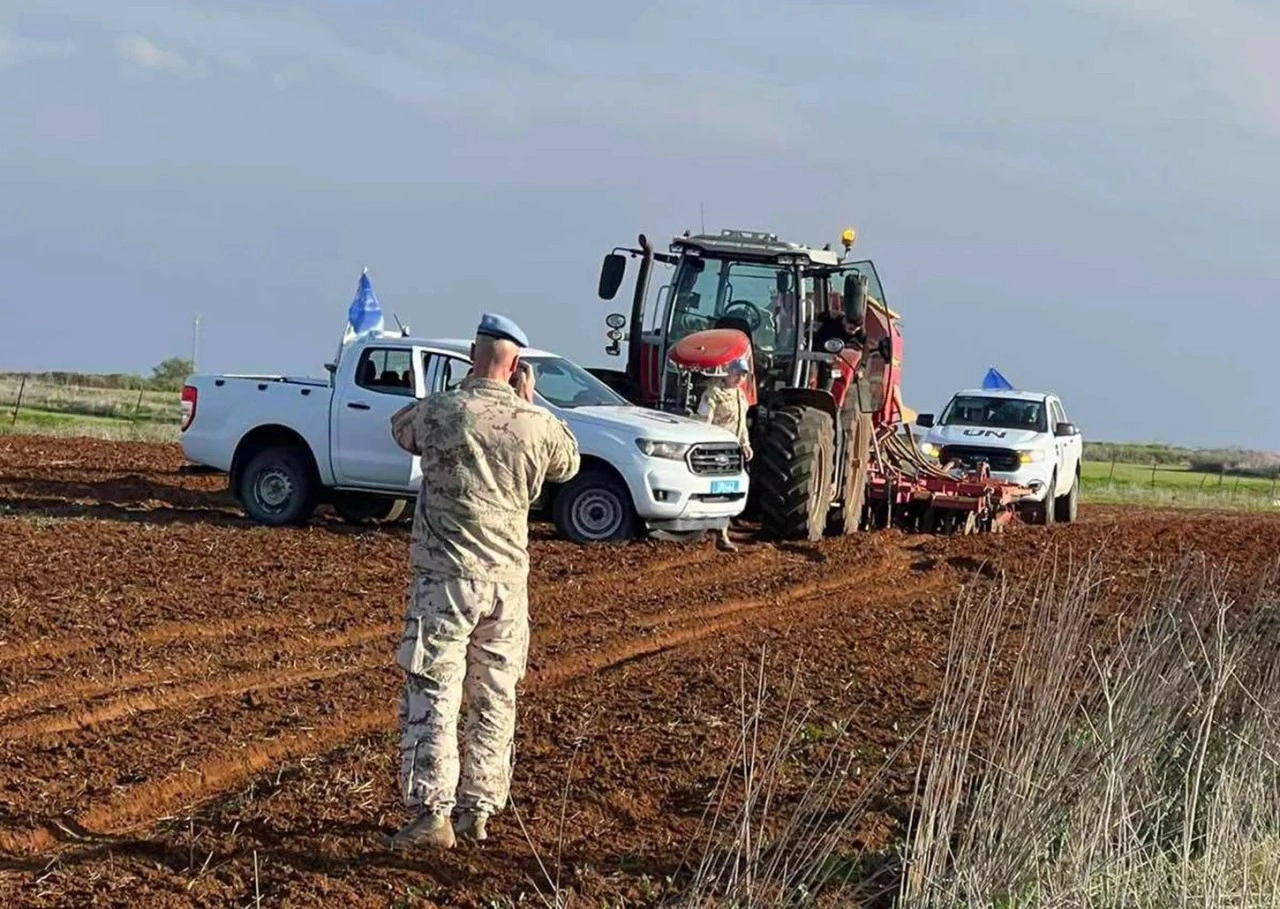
855 298
1065 429
924 420
611 272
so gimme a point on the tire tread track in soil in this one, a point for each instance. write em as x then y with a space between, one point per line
54 694
143 804
175 698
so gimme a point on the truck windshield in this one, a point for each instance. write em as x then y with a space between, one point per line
995 412
565 384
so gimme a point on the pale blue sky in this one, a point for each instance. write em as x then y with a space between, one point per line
1082 193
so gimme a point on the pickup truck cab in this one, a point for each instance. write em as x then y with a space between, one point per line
1023 436
290 444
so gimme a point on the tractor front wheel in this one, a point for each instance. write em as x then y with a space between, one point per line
794 467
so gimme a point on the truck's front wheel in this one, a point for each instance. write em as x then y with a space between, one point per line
594 507
276 487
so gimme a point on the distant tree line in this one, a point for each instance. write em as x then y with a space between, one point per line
167 375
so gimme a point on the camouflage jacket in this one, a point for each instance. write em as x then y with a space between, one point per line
727 408
485 455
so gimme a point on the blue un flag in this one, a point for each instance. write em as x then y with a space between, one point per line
365 313
993 381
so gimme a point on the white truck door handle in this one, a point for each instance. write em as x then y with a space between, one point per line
357 405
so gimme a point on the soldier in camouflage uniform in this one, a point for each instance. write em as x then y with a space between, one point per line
486 451
725 404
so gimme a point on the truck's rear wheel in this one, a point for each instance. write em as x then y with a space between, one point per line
847 518
366 508
794 474
1068 506
594 507
277 488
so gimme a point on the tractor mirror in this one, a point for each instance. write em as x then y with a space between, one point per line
611 272
924 420
855 297
784 282
885 349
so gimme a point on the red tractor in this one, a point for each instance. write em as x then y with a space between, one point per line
825 355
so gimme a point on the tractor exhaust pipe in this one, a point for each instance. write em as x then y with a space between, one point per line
637 309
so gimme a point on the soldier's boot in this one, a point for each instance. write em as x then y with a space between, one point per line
471 825
723 543
431 830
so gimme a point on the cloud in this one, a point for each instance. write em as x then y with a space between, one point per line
141 52
16 49
1234 43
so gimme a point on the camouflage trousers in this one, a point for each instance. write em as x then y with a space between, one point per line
460 636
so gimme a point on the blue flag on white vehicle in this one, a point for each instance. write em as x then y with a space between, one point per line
364 315
993 381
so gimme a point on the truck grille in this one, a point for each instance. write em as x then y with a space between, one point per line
1000 460
715 459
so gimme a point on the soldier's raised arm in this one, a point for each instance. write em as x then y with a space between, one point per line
564 459
404 428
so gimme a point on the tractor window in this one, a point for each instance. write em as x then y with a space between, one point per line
995 413
728 294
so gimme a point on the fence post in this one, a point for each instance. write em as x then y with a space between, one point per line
22 386
1112 474
133 423
1153 473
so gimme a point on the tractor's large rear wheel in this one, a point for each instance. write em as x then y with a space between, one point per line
847 518
794 465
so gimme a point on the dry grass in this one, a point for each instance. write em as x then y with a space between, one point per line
1068 761
1138 774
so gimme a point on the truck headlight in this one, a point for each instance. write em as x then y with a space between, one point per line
1035 456
929 450
653 448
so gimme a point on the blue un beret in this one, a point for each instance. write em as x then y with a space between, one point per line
496 326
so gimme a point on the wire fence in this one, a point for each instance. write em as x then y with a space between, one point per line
36 404
1159 482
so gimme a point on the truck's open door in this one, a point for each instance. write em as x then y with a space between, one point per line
365 456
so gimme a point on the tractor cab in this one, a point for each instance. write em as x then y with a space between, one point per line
745 293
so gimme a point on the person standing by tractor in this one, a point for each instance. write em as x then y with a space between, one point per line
486 451
725 404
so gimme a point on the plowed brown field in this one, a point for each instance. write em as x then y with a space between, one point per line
198 711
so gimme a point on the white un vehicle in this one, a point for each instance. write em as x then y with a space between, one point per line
1024 437
290 444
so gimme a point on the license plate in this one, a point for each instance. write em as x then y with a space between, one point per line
721 487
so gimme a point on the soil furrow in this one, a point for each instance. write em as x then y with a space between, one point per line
214 776
54 694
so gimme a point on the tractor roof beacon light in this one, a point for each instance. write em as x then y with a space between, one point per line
848 237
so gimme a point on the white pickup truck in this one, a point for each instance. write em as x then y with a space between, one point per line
1023 436
290 444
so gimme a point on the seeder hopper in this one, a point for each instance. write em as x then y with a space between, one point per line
824 354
